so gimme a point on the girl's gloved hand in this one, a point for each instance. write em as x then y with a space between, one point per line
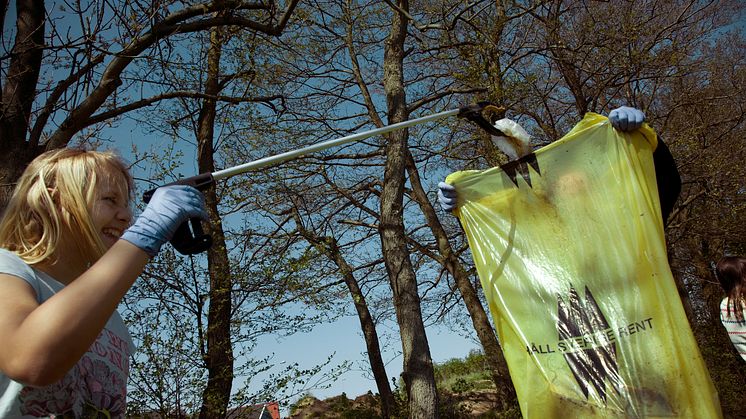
169 207
626 119
446 196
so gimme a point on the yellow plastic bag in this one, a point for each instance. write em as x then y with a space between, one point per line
568 243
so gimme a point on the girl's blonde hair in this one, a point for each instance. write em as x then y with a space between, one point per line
57 189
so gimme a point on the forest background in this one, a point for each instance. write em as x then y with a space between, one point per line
183 87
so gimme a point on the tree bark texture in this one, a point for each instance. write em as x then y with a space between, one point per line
18 94
23 72
219 356
417 372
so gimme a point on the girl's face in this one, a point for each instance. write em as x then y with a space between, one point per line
110 210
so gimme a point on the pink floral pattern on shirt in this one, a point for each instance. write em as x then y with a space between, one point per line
95 387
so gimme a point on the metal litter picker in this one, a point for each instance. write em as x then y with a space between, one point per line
192 241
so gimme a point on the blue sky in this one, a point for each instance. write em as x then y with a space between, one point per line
343 337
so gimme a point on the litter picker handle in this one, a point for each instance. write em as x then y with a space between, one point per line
189 240
471 113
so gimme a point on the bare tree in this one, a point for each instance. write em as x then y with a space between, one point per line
219 355
85 67
330 247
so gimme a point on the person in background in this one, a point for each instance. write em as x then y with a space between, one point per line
68 255
731 272
625 119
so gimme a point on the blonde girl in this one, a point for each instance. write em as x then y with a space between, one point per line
68 254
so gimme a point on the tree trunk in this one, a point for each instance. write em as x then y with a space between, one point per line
417 373
479 319
377 366
23 72
219 357
18 95
329 246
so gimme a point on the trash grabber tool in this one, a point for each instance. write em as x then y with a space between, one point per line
188 242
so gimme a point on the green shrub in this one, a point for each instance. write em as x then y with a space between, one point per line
461 385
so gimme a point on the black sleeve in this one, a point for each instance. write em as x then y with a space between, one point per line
667 177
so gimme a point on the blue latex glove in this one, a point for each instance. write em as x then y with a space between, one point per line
169 207
446 196
626 119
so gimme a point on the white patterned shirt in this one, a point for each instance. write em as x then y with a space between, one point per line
736 329
95 387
